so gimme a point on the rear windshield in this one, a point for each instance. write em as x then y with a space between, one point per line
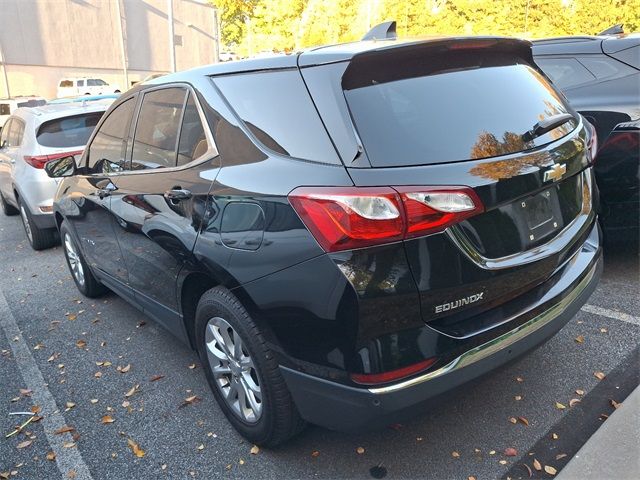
452 114
32 103
68 131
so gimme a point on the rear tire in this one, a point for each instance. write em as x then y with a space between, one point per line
8 210
39 238
82 275
243 372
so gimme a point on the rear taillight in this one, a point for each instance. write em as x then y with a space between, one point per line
343 218
39 161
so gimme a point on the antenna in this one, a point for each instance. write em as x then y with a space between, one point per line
614 30
382 31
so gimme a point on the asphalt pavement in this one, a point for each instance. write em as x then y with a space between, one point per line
117 397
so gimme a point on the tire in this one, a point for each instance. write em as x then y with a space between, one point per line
39 238
8 210
82 275
276 418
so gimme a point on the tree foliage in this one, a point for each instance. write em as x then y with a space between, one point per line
286 25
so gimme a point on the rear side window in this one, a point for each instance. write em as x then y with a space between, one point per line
5 109
277 109
565 72
69 131
66 83
439 111
81 83
95 82
106 152
156 137
604 67
193 141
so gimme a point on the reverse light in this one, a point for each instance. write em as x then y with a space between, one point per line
39 161
343 218
385 377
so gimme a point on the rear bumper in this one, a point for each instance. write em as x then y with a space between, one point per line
342 407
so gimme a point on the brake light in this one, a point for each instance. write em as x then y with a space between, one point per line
385 377
39 161
344 218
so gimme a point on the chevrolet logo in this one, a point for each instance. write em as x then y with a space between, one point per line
555 173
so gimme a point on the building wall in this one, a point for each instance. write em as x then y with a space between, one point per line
45 40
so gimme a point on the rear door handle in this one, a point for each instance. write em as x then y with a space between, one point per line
177 193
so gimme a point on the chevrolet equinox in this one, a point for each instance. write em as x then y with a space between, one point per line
345 234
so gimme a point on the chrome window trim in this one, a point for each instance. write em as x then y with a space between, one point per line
553 246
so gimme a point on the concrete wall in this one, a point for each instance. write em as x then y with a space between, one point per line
45 40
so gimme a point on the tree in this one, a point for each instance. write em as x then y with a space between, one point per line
233 15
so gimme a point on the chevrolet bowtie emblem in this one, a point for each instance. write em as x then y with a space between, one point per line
555 173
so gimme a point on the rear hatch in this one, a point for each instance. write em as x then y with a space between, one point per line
473 113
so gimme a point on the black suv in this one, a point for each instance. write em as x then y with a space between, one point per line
600 76
343 234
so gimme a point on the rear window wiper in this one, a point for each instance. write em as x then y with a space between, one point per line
546 125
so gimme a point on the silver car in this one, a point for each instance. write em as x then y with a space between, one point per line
30 138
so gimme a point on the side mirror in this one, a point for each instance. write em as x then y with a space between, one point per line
61 167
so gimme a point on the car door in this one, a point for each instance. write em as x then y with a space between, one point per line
160 200
10 142
86 206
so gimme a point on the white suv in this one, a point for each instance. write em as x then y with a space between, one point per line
8 105
69 87
30 138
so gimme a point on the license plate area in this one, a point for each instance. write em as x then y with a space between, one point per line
541 215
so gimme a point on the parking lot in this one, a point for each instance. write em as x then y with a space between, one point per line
123 386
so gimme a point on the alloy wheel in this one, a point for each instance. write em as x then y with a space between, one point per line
74 259
233 370
25 222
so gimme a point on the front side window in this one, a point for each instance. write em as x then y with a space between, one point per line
156 136
106 152
95 82
193 141
81 83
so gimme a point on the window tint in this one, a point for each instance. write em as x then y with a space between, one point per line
95 82
69 131
605 67
81 83
453 114
277 109
193 142
154 144
565 72
66 83
106 152
5 109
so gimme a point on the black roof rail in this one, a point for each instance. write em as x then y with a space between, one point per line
616 29
382 31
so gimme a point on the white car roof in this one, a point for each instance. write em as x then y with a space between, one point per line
49 112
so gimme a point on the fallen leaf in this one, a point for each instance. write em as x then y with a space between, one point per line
502 462
24 444
580 392
70 405
71 317
64 429
560 456
241 462
81 343
192 366
53 357
615 404
550 470
524 421
580 339
554 436
200 447
537 465
190 400
360 450
455 454
94 400
492 452
5 475
126 404
513 420
510 452
599 375
124 369
528 469
471 477
51 456
574 401
72 474
255 450
560 406
135 448
133 390
97 374
107 419
603 330
35 409
26 392
519 379
315 453
155 378
517 398
69 444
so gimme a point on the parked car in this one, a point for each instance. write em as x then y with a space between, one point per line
31 138
70 87
346 234
228 56
83 98
600 76
8 105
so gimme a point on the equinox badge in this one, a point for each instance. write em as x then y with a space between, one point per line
459 303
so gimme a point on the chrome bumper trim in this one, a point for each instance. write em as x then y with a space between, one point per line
487 349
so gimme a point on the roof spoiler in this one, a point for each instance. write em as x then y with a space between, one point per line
617 29
382 31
